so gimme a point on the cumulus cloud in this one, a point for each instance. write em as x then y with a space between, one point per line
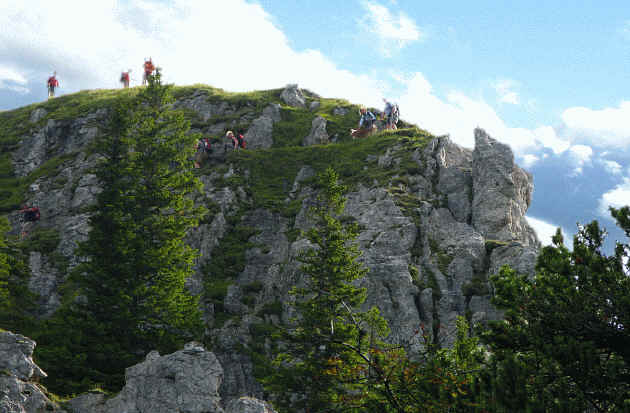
194 41
612 167
505 91
458 114
580 155
529 160
608 127
393 31
11 79
617 197
546 231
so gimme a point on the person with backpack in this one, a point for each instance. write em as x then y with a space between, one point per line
232 140
27 216
203 150
367 124
390 114
52 83
124 78
241 140
148 70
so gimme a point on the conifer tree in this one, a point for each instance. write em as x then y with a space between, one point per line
134 262
323 367
564 344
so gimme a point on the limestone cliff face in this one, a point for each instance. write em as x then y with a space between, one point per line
432 232
19 390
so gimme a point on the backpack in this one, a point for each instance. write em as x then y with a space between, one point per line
241 140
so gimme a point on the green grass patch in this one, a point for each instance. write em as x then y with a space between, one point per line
270 184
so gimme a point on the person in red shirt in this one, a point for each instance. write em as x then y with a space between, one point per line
124 78
148 70
52 83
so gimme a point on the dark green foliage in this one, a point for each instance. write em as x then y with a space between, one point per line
226 263
135 261
44 240
564 344
17 303
323 363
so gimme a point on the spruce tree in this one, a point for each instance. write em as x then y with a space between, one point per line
324 365
134 264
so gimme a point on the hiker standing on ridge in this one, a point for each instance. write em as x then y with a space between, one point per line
52 83
124 78
390 114
148 70
366 124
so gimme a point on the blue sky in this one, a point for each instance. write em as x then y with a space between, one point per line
550 78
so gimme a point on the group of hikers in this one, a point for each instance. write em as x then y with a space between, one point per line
367 122
204 149
125 77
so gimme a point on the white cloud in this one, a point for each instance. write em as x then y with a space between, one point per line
458 115
11 79
612 167
616 197
194 41
393 32
580 155
546 231
505 92
529 160
608 127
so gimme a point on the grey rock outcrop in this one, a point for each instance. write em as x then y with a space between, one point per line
38 114
293 96
273 111
259 134
185 381
340 111
318 133
248 405
19 391
501 192
314 105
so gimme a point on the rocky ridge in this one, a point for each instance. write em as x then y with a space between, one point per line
436 219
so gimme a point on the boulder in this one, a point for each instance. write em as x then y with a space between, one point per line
185 381
318 133
248 405
259 134
293 96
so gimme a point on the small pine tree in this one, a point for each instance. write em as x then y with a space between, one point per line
323 367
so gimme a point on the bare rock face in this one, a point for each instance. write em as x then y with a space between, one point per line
19 392
318 133
501 192
293 96
259 134
185 381
38 114
248 405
